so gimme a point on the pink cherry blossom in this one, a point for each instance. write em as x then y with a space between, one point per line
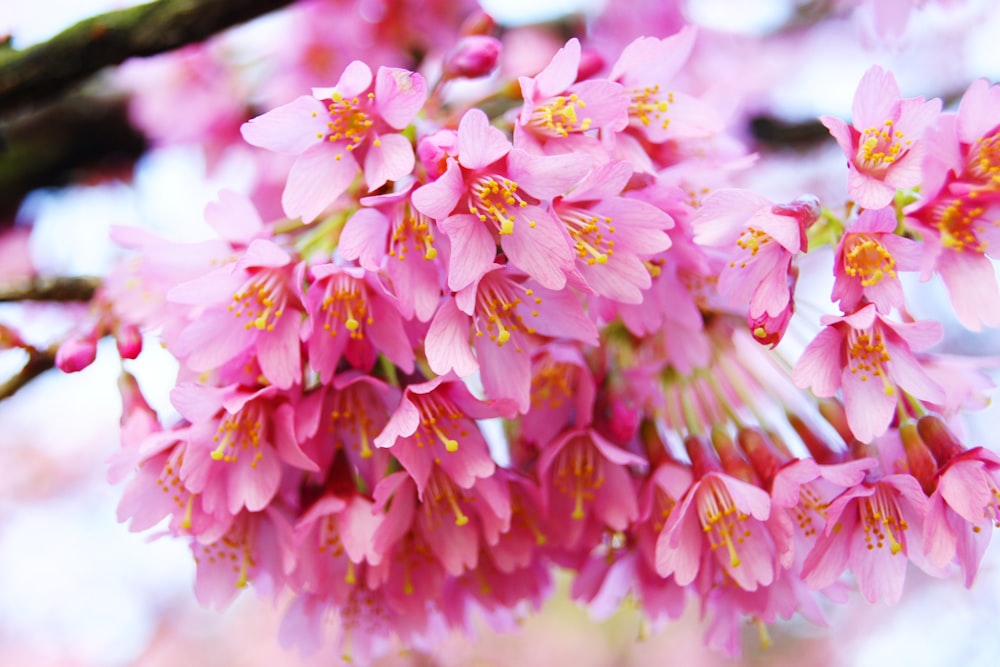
868 260
868 357
883 146
871 528
327 129
487 197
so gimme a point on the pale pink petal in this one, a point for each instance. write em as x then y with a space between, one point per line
438 198
868 404
288 129
546 176
505 371
479 144
473 249
399 95
279 351
868 191
819 367
539 247
234 217
447 341
363 238
876 99
561 71
316 179
390 158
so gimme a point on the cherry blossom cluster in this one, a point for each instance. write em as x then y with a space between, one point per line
479 342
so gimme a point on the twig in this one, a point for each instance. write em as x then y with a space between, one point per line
39 361
47 69
51 289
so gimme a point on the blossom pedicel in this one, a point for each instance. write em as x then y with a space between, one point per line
569 260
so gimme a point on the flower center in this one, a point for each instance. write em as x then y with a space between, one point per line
590 233
559 117
350 421
496 313
883 522
261 300
239 432
441 498
648 106
722 523
960 223
412 228
349 121
868 356
880 147
751 241
345 302
495 199
868 260
579 473
984 161
440 420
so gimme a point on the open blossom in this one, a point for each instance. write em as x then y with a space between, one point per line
487 197
758 239
247 308
959 215
506 318
872 528
868 357
391 233
868 260
611 234
719 523
556 106
335 129
883 146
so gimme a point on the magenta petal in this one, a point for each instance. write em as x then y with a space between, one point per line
316 179
402 424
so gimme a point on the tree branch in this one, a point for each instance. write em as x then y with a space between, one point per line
51 289
39 361
47 69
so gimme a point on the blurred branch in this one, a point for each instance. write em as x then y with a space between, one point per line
75 137
47 69
39 361
778 133
51 289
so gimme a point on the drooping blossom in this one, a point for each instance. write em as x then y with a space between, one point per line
758 240
870 358
328 129
873 528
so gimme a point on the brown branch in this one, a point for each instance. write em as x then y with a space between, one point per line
47 69
51 289
39 361
77 137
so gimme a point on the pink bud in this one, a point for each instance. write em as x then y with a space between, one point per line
433 151
75 354
769 330
473 56
129 341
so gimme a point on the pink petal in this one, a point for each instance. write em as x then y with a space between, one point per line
316 180
288 129
438 198
363 238
479 144
389 159
399 96
447 341
473 249
539 247
234 217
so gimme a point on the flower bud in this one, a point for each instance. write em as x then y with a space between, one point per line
434 150
768 330
474 56
919 460
75 354
129 341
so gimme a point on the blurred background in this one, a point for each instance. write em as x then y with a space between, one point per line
77 588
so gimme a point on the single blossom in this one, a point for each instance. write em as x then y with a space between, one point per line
337 130
491 195
870 358
883 146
